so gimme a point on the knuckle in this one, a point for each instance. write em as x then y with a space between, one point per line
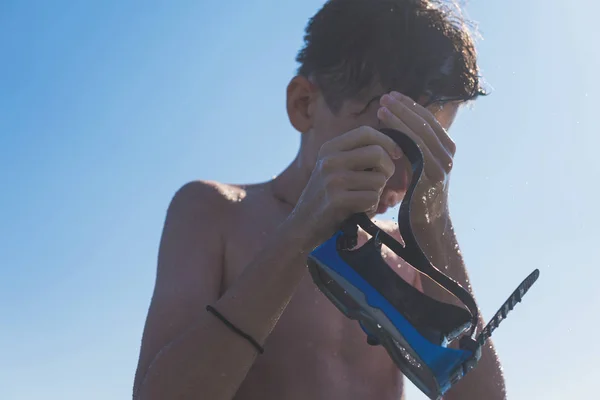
376 152
366 129
382 157
446 159
326 148
327 163
390 170
369 131
383 179
380 151
333 181
447 164
452 147
409 101
379 180
336 202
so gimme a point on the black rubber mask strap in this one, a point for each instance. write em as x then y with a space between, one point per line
414 256
412 252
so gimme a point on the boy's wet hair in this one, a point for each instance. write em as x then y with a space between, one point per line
416 47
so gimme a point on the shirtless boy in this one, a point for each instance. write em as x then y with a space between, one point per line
242 248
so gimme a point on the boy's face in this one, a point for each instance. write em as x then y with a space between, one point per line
323 125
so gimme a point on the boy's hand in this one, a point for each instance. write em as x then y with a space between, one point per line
431 195
348 178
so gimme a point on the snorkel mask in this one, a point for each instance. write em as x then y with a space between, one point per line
415 329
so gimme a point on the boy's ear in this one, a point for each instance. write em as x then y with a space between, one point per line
301 101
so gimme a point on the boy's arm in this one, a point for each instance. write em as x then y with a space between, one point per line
187 352
486 381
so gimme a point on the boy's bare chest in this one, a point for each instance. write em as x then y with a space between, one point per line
314 351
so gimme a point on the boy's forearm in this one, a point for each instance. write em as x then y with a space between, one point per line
440 245
210 358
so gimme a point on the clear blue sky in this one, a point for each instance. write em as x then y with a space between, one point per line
107 108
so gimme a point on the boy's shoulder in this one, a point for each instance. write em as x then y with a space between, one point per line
208 193
206 199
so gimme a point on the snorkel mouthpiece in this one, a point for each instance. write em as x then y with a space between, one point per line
415 329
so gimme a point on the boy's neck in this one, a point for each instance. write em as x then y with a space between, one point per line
289 185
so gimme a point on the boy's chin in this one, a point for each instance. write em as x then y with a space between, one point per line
381 209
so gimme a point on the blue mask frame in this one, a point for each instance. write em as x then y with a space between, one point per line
414 328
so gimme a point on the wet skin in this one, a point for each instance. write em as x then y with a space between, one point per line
313 351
